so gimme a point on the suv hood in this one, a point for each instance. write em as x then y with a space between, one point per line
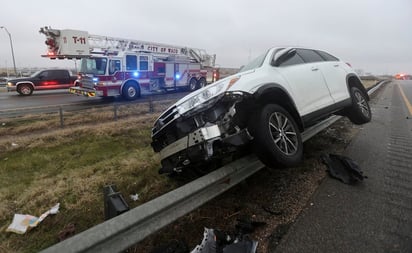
208 93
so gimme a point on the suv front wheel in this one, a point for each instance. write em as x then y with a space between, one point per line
277 140
359 112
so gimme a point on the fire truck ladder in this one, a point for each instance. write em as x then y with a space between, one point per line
110 45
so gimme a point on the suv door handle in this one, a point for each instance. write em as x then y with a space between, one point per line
315 69
336 65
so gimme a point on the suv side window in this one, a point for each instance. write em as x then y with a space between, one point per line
326 56
296 59
309 55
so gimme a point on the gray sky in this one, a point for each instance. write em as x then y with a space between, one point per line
372 35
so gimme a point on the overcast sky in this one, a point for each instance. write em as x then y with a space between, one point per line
372 35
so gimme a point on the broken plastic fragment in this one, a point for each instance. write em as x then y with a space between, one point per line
134 197
343 168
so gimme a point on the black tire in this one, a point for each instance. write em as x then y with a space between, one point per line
130 91
192 84
25 89
359 112
201 83
277 140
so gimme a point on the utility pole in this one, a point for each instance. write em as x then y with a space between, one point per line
12 51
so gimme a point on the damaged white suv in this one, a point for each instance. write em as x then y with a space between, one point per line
268 104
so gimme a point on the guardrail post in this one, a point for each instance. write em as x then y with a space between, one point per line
151 106
115 112
61 117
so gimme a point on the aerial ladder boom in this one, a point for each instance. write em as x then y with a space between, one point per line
79 44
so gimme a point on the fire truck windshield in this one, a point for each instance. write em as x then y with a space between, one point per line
95 66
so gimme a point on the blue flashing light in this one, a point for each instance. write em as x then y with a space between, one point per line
136 74
177 76
95 79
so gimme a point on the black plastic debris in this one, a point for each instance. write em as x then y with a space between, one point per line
114 203
216 241
343 168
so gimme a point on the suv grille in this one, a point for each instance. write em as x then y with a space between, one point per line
164 119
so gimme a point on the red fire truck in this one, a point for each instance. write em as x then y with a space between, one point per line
114 66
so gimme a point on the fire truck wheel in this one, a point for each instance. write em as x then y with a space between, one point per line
192 84
201 83
130 91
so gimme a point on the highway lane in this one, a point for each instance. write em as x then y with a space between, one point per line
12 104
375 215
11 100
406 93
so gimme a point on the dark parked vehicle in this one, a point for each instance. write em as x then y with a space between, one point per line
48 79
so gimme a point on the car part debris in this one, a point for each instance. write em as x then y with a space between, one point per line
114 203
216 241
343 168
134 197
22 222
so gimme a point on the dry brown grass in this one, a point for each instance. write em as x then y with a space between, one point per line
71 166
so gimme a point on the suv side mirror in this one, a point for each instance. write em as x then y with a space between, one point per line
283 57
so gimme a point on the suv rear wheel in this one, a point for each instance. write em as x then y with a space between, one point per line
277 140
359 112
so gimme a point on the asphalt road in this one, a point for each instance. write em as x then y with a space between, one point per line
11 104
375 215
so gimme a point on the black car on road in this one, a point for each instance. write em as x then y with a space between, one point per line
48 79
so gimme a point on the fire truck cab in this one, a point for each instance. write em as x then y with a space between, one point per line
113 66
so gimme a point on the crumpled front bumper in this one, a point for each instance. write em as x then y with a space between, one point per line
199 136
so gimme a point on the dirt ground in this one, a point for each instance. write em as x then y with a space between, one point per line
272 196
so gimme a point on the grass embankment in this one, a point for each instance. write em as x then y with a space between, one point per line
70 166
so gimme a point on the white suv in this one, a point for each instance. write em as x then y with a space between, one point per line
268 104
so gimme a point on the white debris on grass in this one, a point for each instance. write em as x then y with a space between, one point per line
134 197
22 222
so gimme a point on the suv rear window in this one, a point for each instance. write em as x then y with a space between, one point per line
326 56
296 59
309 55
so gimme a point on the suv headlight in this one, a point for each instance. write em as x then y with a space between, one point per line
211 91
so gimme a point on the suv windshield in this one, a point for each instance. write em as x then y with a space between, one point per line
255 63
95 66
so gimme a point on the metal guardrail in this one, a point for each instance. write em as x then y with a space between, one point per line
127 229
